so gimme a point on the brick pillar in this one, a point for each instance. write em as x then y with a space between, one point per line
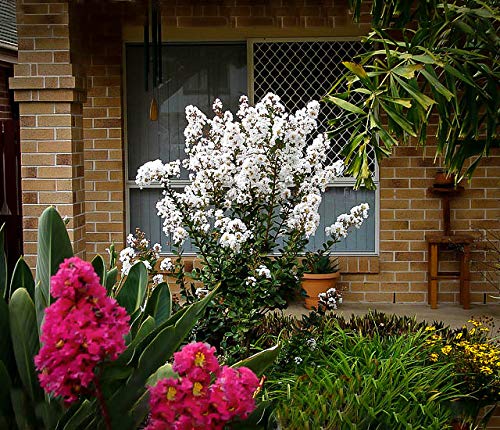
50 99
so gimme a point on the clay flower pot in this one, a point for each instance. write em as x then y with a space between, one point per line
316 283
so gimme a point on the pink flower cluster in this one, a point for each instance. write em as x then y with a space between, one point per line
82 328
192 401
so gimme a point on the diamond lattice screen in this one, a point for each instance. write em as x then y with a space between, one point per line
300 71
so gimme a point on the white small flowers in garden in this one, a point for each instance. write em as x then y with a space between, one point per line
166 265
157 279
126 257
331 299
263 271
355 218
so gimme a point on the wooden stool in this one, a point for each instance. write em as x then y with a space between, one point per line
462 243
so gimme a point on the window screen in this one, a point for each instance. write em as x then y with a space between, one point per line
299 71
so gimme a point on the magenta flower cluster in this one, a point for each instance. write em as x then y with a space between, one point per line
82 328
193 401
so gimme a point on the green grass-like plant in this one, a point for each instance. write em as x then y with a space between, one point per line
366 382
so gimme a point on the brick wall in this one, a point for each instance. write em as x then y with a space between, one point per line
103 125
49 95
408 212
52 61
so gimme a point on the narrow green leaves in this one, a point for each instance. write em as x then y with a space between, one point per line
345 105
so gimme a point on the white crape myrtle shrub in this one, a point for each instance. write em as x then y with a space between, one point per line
255 177
261 160
256 181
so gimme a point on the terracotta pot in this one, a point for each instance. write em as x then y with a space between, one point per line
316 283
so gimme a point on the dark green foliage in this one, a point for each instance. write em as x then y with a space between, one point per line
3 264
364 372
423 59
368 383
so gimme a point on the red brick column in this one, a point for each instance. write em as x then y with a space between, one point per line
50 106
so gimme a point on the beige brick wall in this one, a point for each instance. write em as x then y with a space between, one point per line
85 177
49 97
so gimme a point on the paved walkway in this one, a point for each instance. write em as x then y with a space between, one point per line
453 315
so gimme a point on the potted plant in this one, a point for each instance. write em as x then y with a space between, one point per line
321 272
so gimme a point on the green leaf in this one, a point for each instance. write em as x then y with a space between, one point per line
111 280
54 247
407 71
423 100
22 278
41 302
438 86
403 102
77 416
398 119
163 372
23 329
5 342
357 69
345 105
133 290
100 268
3 263
5 383
159 304
260 361
23 410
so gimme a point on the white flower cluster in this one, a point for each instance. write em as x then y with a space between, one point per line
156 171
167 265
126 257
355 218
261 158
157 279
311 343
234 233
331 299
263 271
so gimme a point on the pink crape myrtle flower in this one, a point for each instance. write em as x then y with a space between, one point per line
82 328
205 396
196 360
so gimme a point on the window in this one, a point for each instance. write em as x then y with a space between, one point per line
296 70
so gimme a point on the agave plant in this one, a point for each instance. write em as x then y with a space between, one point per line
155 335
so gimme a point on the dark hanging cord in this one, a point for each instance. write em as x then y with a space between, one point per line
146 51
160 65
154 33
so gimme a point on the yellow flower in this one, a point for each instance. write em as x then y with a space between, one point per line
446 350
486 370
171 392
433 357
459 336
430 328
